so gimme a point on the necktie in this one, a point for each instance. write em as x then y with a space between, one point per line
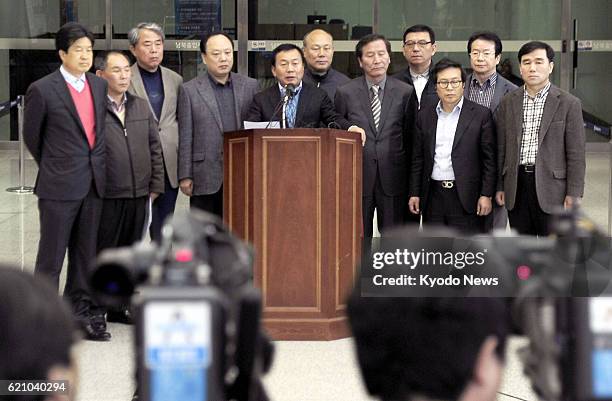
290 112
375 103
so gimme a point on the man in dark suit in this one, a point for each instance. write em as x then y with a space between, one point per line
419 48
319 52
159 86
210 105
64 131
454 160
308 107
487 88
382 106
541 141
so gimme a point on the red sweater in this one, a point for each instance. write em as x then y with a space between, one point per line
85 107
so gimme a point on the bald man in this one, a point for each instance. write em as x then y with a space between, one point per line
319 52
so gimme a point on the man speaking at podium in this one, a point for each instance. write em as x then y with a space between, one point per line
301 104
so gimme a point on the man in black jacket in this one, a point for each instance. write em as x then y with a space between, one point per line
419 48
319 53
64 132
134 166
454 159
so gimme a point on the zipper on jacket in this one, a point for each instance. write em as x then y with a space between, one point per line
127 143
131 162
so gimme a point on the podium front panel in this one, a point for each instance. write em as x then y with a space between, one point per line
291 231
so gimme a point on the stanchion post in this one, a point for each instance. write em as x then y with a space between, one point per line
610 189
22 188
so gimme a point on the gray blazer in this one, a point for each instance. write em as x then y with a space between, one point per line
168 124
201 129
560 162
502 87
386 153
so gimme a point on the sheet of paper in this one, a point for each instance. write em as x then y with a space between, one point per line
261 124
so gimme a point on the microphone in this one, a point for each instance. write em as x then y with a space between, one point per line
289 93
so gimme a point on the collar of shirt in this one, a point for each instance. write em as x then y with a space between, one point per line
489 82
440 111
77 83
213 81
117 108
541 93
316 76
381 84
297 89
424 75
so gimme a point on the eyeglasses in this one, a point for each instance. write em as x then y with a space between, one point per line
420 43
453 84
485 53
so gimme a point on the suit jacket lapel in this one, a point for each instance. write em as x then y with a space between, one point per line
500 89
237 85
99 98
387 103
517 118
167 89
301 106
61 87
364 98
206 91
550 108
139 89
431 133
465 117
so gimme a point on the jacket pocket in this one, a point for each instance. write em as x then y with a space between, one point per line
559 174
198 156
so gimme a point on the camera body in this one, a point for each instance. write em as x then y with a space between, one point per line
197 315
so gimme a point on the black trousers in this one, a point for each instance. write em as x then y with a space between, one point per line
211 203
73 225
122 222
527 217
163 206
496 220
390 211
444 208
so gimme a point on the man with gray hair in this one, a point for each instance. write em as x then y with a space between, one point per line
160 87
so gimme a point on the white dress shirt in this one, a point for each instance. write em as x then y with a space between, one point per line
78 83
445 136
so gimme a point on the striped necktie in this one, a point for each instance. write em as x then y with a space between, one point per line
375 103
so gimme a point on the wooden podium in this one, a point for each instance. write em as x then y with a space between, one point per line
295 195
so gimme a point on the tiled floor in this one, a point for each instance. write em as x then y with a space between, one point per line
302 370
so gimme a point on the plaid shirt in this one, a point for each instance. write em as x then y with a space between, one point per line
483 94
533 108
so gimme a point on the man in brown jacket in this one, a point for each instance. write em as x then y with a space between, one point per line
541 145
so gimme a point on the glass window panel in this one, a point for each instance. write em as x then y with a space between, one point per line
456 20
289 20
593 84
194 17
42 18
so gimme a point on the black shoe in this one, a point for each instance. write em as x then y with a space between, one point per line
94 332
120 316
98 322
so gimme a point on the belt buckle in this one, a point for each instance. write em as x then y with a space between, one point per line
529 168
448 184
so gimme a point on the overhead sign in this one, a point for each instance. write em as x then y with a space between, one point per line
196 17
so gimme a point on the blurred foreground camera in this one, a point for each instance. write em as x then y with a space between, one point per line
198 334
